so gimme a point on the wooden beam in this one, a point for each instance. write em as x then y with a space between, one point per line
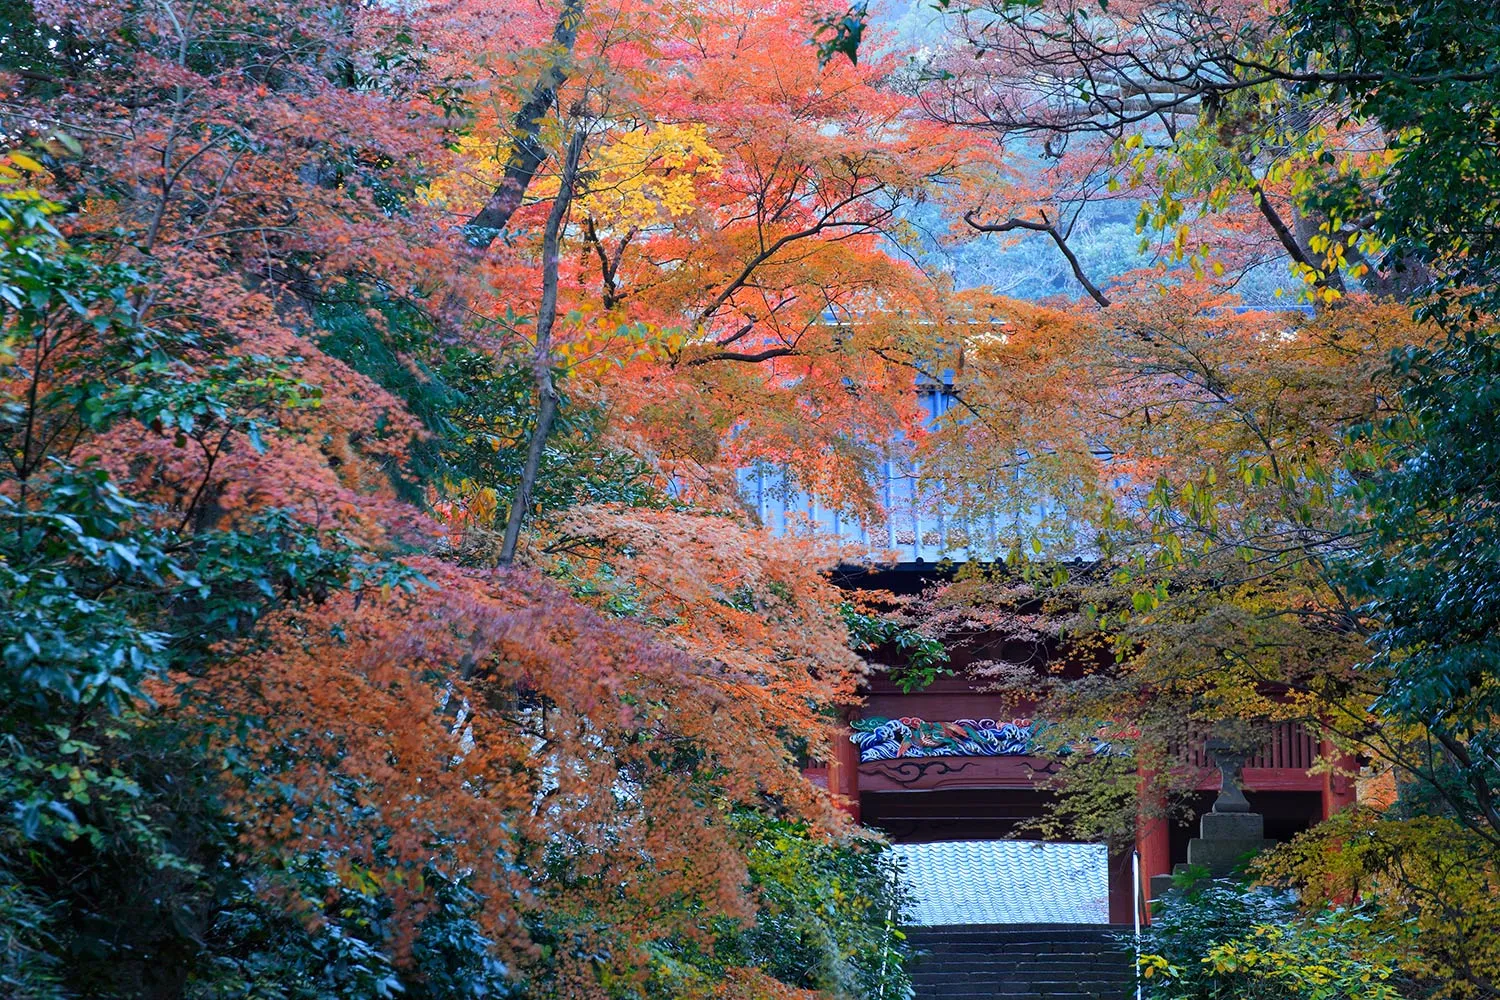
910 774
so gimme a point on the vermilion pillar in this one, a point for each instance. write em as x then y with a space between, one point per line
1338 788
1153 838
843 774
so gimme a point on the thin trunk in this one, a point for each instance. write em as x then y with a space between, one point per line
542 360
526 150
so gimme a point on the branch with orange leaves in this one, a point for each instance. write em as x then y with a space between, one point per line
826 221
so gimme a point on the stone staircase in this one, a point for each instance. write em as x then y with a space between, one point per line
1042 961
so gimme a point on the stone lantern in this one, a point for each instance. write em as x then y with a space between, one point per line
1229 831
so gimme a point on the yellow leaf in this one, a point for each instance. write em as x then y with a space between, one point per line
27 163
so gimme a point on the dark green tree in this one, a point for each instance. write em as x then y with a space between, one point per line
1428 74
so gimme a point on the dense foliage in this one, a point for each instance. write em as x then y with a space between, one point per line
1217 939
284 714
381 611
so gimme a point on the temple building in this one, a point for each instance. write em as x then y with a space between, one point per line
953 772
952 763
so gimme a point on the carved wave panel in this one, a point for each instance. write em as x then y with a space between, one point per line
880 738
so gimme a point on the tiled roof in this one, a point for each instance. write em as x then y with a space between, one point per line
1006 882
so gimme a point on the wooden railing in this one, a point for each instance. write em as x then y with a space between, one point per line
1289 746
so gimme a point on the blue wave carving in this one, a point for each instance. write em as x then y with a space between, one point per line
880 738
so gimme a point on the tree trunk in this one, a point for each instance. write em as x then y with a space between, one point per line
541 359
526 150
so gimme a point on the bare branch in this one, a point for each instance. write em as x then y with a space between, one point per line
1045 226
752 358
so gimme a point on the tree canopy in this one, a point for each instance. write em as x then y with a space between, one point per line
383 615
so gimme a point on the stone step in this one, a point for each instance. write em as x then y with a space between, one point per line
965 960
1015 945
1022 947
1012 947
1028 966
1018 940
1116 974
998 995
1012 976
1023 930
1022 962
925 989
944 987
981 948
1022 980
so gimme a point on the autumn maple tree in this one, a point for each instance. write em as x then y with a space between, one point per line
376 384
382 613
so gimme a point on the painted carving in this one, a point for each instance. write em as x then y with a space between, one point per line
910 771
891 739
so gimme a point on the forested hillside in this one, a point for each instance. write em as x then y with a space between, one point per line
381 614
